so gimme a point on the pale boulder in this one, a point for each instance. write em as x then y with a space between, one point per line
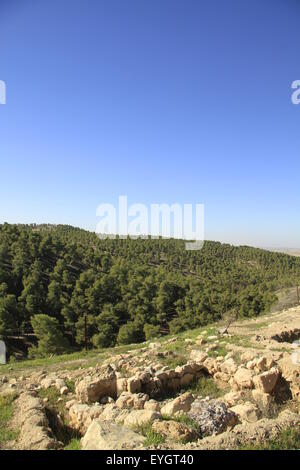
110 436
263 400
243 378
267 380
246 412
81 416
232 398
132 400
93 389
198 356
134 385
181 403
152 405
138 417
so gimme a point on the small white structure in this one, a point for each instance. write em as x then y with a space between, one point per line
2 353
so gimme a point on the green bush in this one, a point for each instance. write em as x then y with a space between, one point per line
49 335
129 333
151 331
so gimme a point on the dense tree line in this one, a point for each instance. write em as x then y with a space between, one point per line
129 290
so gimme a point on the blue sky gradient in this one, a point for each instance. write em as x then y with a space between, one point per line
165 101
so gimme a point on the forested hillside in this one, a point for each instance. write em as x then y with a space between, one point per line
128 290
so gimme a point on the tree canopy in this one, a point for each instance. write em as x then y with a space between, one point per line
129 290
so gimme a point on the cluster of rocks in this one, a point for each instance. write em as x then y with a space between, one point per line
113 401
150 381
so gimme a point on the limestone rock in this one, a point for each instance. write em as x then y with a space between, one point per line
232 398
246 412
121 385
132 400
229 366
243 378
92 389
110 436
198 356
267 380
64 390
263 400
138 417
81 415
134 385
181 403
152 405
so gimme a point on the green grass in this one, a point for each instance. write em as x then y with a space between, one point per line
206 386
87 358
153 438
70 384
6 413
61 428
218 351
52 393
74 444
288 439
173 361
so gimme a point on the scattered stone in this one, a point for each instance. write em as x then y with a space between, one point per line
181 403
152 405
198 356
93 389
267 380
134 385
64 390
138 417
246 412
243 378
232 398
132 400
263 400
81 416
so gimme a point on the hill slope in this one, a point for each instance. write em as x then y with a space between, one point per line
129 290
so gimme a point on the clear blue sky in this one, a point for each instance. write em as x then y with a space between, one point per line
162 100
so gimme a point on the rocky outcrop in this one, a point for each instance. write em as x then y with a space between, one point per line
243 378
132 400
110 436
81 416
180 404
267 380
139 417
246 412
93 389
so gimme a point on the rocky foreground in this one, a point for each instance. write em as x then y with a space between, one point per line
229 389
